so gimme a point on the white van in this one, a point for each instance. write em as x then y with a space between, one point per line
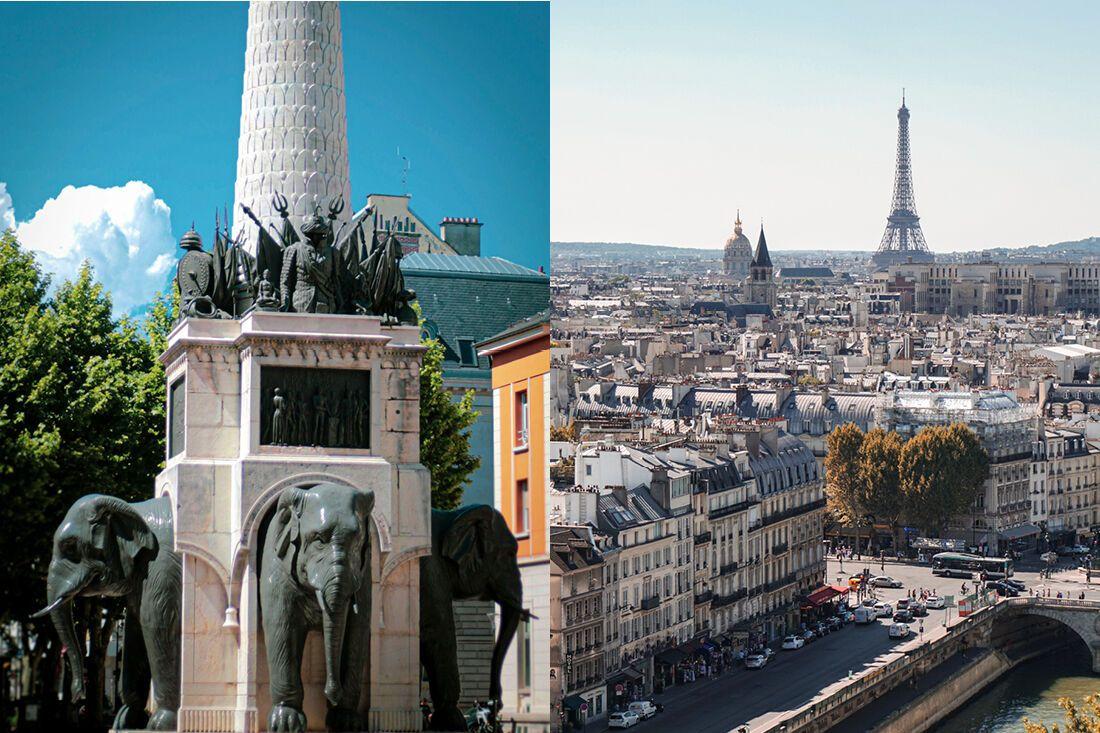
644 709
865 614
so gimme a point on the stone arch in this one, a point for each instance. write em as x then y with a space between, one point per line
1083 621
248 537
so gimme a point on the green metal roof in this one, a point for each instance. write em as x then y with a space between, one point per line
473 298
421 263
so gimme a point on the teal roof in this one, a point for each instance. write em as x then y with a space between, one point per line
429 265
473 298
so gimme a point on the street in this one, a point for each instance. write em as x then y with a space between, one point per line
794 678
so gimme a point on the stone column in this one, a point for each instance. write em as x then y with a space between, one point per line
293 118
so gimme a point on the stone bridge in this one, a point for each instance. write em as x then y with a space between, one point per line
1083 617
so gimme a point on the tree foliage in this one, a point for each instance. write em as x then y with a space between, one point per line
444 431
879 490
942 469
1079 719
842 475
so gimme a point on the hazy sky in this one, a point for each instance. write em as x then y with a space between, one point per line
667 117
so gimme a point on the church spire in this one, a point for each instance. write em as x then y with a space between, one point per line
761 258
737 223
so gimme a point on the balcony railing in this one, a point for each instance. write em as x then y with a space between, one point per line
650 602
780 582
704 597
779 548
728 568
793 512
725 511
702 538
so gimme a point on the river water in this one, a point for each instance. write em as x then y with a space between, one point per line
1032 691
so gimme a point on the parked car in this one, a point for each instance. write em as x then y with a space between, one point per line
1017 584
820 628
835 622
899 631
903 603
885 581
848 616
865 615
869 602
903 615
644 709
1003 589
918 609
935 602
809 635
625 719
884 610
794 642
767 652
755 661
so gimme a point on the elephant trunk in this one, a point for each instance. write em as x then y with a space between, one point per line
334 622
509 622
59 596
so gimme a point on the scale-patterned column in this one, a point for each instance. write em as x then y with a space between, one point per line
293 118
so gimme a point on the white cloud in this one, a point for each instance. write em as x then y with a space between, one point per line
7 211
125 231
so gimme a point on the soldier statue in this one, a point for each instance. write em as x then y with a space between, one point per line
310 278
196 279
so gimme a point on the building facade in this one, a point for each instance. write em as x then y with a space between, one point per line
520 358
987 287
1065 482
761 286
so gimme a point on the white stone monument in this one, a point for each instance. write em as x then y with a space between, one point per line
294 137
224 478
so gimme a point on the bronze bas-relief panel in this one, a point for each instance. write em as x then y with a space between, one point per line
315 407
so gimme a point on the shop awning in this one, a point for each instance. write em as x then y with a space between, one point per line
624 675
822 595
690 647
840 589
670 657
573 702
1024 530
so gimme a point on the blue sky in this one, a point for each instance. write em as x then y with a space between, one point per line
666 118
103 94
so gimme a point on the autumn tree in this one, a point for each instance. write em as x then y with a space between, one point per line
942 470
879 488
1083 719
843 479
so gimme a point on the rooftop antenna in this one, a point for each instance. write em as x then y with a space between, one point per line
404 172
903 96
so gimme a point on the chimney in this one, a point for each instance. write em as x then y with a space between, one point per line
769 436
463 234
619 492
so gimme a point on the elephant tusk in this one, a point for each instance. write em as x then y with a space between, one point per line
48 609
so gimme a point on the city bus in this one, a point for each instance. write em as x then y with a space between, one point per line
964 565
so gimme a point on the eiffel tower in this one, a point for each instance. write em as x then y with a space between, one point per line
903 240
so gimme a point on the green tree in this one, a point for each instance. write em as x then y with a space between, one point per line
879 490
942 470
842 474
81 411
444 431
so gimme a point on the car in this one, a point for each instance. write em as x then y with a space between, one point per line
869 602
1017 584
755 661
903 615
624 719
644 709
918 609
1003 589
899 631
885 581
794 642
821 628
835 622
767 652
1066 551
903 603
809 635
884 610
848 616
1079 550
935 602
865 615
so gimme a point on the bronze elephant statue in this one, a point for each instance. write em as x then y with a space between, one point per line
315 574
473 557
108 547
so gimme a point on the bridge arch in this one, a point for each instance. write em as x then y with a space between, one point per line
1080 617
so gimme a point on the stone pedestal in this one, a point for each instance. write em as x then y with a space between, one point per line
224 479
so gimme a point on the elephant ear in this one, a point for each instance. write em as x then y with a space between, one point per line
111 517
288 515
465 544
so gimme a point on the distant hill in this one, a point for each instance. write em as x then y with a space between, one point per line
1089 247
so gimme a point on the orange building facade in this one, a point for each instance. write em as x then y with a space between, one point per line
520 357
